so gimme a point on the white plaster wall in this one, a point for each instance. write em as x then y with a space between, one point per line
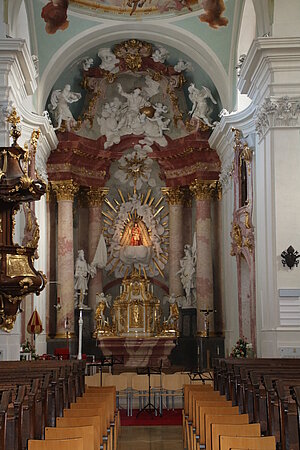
40 301
277 227
229 275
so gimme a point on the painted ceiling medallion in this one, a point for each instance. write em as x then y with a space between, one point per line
212 14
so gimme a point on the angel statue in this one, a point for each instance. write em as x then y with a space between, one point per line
201 110
59 106
187 271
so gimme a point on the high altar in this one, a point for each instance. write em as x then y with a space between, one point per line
136 311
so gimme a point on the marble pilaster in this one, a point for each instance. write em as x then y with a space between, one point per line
95 199
204 191
175 197
65 191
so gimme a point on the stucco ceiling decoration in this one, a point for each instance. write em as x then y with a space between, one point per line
133 98
213 9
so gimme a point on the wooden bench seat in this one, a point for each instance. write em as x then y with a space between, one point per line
254 443
249 430
84 432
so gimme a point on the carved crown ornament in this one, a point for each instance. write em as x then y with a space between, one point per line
18 277
278 112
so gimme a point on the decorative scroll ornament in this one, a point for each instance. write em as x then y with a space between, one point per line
290 257
281 112
206 189
242 234
225 178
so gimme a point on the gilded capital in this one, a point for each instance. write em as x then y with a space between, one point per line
206 189
174 195
97 195
65 190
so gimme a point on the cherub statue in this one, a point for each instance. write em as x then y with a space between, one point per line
109 61
87 63
182 65
201 110
59 105
160 54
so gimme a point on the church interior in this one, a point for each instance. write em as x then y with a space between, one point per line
148 194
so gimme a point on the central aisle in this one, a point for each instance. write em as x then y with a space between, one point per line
151 438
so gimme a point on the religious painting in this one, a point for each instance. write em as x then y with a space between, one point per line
54 14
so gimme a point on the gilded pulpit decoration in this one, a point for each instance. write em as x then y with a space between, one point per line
65 190
18 277
206 189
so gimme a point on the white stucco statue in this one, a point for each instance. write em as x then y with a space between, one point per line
109 61
109 121
131 119
59 105
187 272
201 109
160 54
83 271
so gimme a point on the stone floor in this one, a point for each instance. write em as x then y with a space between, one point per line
151 438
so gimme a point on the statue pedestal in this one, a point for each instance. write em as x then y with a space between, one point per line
139 352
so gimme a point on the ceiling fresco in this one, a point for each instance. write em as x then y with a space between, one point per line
55 12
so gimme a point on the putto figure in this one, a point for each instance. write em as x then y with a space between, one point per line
109 61
59 106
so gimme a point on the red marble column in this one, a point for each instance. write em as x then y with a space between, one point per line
204 191
65 191
95 200
175 198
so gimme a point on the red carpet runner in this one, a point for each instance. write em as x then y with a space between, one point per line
169 417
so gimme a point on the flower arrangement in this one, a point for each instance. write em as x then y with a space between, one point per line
28 348
242 349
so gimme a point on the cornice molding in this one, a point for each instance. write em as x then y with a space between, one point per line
16 62
272 68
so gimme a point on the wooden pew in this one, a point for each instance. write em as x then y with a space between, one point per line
86 433
210 410
249 430
60 444
71 422
210 419
253 443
